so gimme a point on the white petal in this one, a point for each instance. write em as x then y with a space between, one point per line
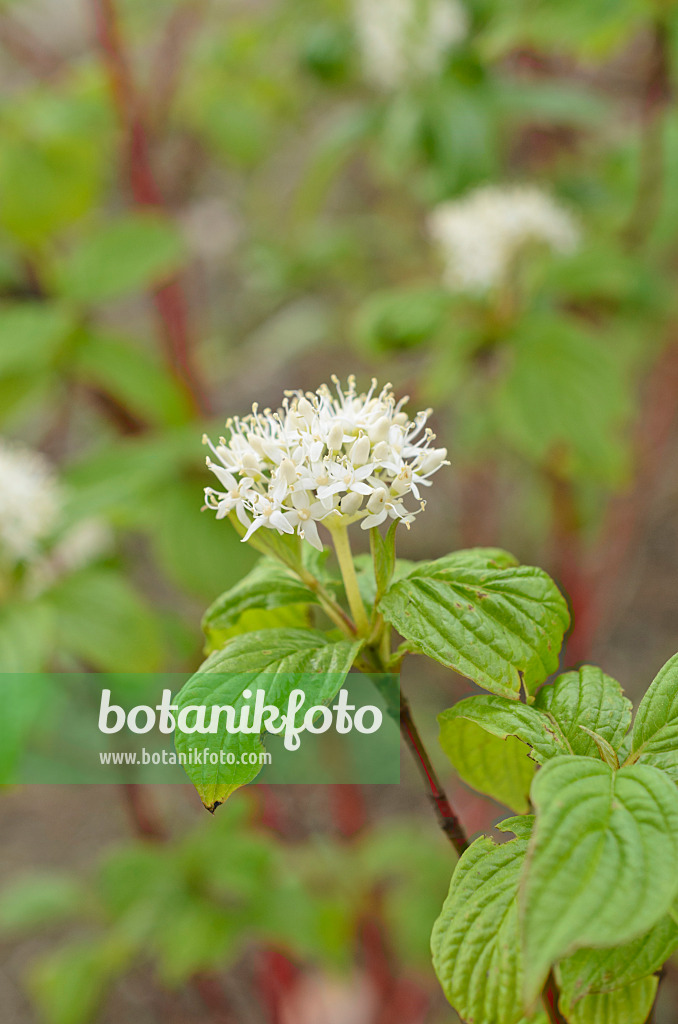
371 521
310 533
226 478
278 522
256 523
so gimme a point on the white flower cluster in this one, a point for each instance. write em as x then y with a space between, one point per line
481 234
405 39
30 501
31 504
326 456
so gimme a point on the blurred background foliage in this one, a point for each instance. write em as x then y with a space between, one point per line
203 203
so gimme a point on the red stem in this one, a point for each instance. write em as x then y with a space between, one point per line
447 819
169 299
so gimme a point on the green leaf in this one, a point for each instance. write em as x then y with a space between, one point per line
123 368
135 252
25 700
31 334
383 557
600 970
500 627
586 700
544 404
271 660
55 158
104 623
655 730
628 1005
412 871
26 636
475 942
197 551
38 901
268 586
499 768
504 718
69 984
401 319
603 859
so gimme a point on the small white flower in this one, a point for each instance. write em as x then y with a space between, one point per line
30 502
328 456
481 234
402 40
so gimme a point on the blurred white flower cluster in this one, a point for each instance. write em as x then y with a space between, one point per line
30 501
481 235
31 504
402 40
325 456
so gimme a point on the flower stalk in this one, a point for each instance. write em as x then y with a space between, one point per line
342 548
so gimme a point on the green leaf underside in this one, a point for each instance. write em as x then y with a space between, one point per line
499 627
600 970
500 768
271 660
268 586
655 730
603 859
503 718
628 1005
475 941
587 699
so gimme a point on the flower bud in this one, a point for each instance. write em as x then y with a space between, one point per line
379 430
360 451
335 437
305 409
377 500
432 460
381 451
288 471
350 503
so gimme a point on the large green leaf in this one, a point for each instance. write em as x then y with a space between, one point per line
590 699
603 859
655 729
628 1005
501 627
68 985
502 718
103 622
198 552
500 768
126 370
134 252
272 660
544 404
600 970
268 586
26 636
475 942
31 334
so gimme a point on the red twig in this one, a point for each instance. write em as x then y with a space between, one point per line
349 811
277 977
170 299
447 819
146 823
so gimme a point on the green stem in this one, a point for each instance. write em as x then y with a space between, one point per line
333 610
342 547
